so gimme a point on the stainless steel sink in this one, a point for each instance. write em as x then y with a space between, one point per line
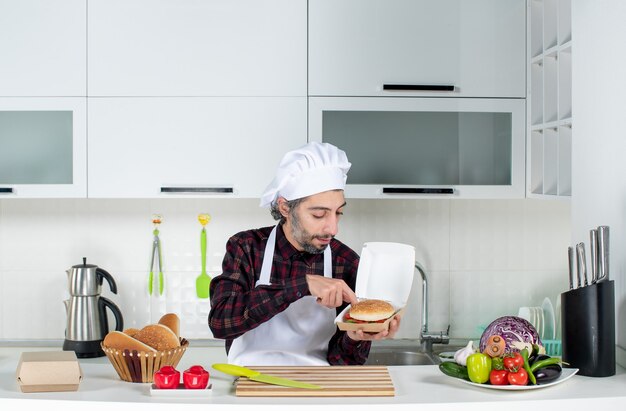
407 352
400 357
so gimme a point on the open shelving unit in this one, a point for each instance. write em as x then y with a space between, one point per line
549 142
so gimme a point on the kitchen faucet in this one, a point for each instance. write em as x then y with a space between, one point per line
427 339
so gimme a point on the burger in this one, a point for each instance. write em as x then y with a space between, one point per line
369 311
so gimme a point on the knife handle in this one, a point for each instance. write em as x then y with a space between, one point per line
593 236
603 253
582 268
570 259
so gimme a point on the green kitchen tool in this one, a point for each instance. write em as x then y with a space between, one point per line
203 281
156 256
253 375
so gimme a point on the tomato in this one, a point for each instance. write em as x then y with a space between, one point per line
513 362
479 367
498 377
518 378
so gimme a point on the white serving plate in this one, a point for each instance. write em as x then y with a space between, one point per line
565 375
181 392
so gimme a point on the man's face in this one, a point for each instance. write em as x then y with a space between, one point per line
315 221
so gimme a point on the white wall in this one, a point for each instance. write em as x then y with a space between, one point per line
484 258
599 137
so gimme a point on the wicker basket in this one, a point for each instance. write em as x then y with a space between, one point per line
140 366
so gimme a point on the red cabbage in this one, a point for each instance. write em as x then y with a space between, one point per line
512 329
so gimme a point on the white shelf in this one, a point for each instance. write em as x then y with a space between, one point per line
550 101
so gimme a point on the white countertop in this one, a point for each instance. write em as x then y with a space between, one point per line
426 386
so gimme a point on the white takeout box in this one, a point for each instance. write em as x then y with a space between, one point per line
48 371
385 272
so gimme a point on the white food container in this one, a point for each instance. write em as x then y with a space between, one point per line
385 272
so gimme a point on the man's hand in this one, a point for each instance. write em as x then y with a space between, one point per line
330 292
359 335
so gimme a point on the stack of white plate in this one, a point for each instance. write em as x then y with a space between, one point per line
542 318
549 330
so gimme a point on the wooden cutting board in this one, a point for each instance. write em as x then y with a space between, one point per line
337 381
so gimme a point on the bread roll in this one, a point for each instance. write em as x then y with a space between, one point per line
172 322
371 310
158 337
121 341
131 331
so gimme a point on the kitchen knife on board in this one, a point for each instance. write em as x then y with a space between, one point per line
253 375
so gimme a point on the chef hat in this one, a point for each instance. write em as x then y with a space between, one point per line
310 169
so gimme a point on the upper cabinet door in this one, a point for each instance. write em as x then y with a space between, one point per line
43 48
43 147
197 47
417 47
151 147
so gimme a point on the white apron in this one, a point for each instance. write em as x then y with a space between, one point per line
299 335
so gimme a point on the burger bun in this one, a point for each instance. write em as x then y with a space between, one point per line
122 341
371 310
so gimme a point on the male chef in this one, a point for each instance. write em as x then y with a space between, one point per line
282 286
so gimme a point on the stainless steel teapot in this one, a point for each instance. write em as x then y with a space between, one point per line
87 322
86 279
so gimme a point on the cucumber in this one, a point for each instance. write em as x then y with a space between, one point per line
455 370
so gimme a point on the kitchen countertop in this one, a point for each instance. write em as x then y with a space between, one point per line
423 385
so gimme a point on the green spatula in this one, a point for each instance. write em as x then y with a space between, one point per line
203 281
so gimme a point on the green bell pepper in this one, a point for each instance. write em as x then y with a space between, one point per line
479 367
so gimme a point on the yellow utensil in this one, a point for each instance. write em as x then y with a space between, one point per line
203 281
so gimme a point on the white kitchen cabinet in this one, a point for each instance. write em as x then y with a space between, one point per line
204 146
426 147
550 99
197 48
43 147
43 48
477 48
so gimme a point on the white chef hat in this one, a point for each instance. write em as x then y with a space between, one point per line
311 169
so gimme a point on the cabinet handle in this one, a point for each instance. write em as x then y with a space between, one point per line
402 190
419 87
193 190
6 190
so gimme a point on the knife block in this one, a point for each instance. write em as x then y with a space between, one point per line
588 329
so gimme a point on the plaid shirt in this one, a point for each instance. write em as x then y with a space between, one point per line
238 306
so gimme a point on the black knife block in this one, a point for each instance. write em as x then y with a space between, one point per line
588 329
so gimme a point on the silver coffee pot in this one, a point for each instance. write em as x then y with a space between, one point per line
87 321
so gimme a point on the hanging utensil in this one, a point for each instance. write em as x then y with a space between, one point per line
603 253
156 256
203 281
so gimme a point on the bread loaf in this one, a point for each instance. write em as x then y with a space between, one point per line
121 341
172 322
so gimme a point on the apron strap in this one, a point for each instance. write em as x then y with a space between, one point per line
268 260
